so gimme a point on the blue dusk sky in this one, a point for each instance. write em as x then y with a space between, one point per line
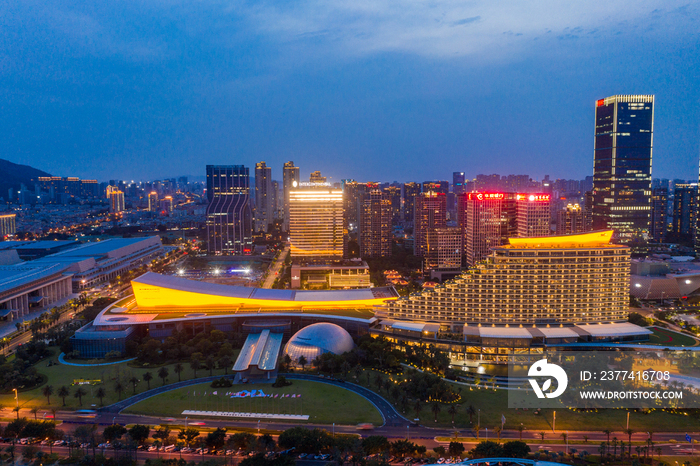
365 89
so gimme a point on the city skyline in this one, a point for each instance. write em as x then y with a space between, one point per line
111 91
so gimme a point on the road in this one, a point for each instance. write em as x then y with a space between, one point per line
275 268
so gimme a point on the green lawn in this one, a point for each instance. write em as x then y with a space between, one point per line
64 375
669 338
493 404
324 403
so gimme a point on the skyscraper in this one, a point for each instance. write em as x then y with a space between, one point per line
430 213
458 182
290 177
570 220
659 212
533 215
316 177
685 209
152 201
116 201
624 135
375 225
480 218
316 221
264 210
229 216
410 191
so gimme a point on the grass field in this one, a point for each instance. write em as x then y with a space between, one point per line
664 337
492 404
322 402
64 375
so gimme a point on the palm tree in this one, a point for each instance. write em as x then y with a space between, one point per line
629 433
608 432
614 443
134 381
34 411
79 394
435 408
195 365
163 373
16 410
498 430
471 411
452 410
47 391
119 388
521 428
53 413
541 434
477 429
302 361
148 377
101 393
178 369
63 393
564 436
418 407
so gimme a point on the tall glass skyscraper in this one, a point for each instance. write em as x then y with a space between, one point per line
624 137
229 216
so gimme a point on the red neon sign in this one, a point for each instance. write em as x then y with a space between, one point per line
533 197
600 103
485 196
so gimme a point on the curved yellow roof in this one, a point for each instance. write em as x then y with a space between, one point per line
584 240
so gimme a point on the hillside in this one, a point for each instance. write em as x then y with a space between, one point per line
12 175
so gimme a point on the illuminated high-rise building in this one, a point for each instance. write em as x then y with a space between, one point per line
659 214
166 205
480 219
442 187
458 185
316 177
8 226
264 209
290 176
685 209
624 136
430 213
229 216
443 248
410 191
375 225
152 201
571 220
393 193
533 215
316 221
354 195
116 202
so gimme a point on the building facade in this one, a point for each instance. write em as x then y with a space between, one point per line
410 191
116 202
430 213
290 178
534 215
659 214
264 207
316 221
375 225
685 209
624 136
8 225
571 220
480 219
152 201
229 216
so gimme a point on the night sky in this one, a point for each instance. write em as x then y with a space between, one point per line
365 89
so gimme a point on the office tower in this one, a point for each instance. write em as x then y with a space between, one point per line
570 220
8 226
441 187
166 205
410 191
430 213
443 248
316 177
685 209
581 279
264 210
354 194
659 211
480 219
276 206
229 216
458 182
316 221
533 215
624 128
393 193
375 225
152 201
290 179
488 182
116 202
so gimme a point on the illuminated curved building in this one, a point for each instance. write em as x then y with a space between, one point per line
555 289
314 340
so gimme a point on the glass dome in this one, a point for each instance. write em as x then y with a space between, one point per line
316 339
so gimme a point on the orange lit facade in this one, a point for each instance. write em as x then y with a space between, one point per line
316 227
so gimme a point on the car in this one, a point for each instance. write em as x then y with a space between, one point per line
152 448
229 452
302 456
169 448
186 450
59 443
45 442
441 461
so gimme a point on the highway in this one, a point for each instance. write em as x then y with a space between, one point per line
275 268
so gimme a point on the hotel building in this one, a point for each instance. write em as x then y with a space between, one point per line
534 216
316 221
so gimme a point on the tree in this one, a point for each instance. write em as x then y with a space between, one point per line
34 411
375 444
79 394
225 362
188 435
148 377
629 433
119 388
541 434
47 391
113 432
516 449
302 361
452 410
178 369
498 430
435 408
139 433
134 381
417 408
162 433
471 411
101 393
195 365
440 450
216 439
63 393
163 373
488 449
456 448
521 428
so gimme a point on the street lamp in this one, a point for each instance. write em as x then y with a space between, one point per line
16 396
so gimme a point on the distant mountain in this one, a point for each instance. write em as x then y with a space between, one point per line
12 175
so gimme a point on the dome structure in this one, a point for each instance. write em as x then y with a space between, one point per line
316 339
